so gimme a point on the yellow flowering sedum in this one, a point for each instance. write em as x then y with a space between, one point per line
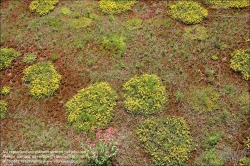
230 3
7 55
167 140
5 90
240 61
116 6
44 79
188 12
42 7
3 109
91 107
144 95
244 161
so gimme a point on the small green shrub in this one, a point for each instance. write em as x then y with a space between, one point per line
54 57
196 32
230 89
240 61
224 115
3 109
116 6
203 99
211 158
114 44
188 12
244 161
82 22
229 3
65 11
167 140
43 78
179 96
7 55
5 90
212 139
133 24
91 107
29 58
214 57
42 7
243 102
144 95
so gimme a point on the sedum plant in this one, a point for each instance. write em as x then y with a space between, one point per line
240 61
29 58
166 139
7 55
144 95
5 90
188 12
229 3
203 99
3 109
43 78
42 7
116 6
114 44
210 157
91 107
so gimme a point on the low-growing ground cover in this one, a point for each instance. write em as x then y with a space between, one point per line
198 69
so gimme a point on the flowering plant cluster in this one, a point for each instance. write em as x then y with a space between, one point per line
91 107
203 99
240 60
228 3
5 90
44 79
3 109
166 139
116 6
42 7
7 55
248 143
105 145
188 12
144 95
244 161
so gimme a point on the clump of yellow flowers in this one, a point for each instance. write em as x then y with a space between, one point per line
244 161
7 55
240 60
91 108
230 3
5 90
248 142
144 95
42 7
166 139
3 109
188 12
116 6
43 78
